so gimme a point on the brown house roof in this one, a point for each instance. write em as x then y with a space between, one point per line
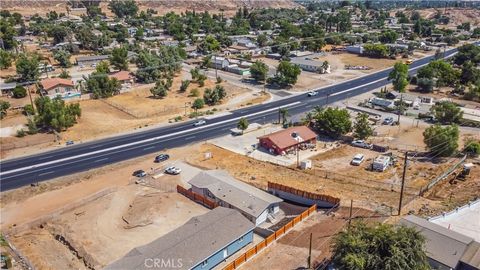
50 83
290 136
121 75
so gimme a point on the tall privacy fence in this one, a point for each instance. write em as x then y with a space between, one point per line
196 197
318 199
270 239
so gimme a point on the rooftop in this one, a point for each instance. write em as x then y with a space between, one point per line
121 75
291 136
243 196
199 238
50 83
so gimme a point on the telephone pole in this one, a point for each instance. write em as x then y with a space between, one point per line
350 215
405 163
400 109
309 260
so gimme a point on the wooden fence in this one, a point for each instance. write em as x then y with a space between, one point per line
304 194
270 239
196 197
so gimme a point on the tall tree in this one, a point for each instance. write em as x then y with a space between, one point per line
399 76
383 246
63 58
123 8
118 59
333 122
259 71
55 114
287 74
362 127
242 124
27 67
6 59
441 141
447 112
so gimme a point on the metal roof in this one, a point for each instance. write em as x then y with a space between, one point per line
442 245
247 198
192 243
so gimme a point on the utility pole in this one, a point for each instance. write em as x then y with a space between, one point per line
405 163
298 156
309 260
350 215
215 61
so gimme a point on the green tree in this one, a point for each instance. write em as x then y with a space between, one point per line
375 50
425 85
55 114
103 67
388 36
6 59
440 70
399 76
447 112
101 86
259 71
160 90
441 141
198 104
287 74
118 58
27 67
262 40
283 116
63 58
19 92
58 32
333 122
242 124
64 74
213 97
467 52
123 8
362 127
382 246
184 85
472 147
470 73
4 105
7 34
209 44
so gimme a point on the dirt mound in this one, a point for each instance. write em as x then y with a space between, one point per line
141 212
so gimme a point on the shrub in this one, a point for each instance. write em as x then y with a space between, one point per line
19 92
21 133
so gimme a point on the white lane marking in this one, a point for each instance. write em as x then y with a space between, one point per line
95 146
308 106
44 157
146 140
46 173
189 138
150 147
100 160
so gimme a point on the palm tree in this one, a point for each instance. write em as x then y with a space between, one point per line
283 114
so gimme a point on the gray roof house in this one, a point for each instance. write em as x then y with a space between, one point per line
257 205
201 243
445 248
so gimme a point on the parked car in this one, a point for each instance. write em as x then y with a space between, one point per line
199 123
312 93
388 121
161 157
173 170
69 143
357 159
362 144
139 173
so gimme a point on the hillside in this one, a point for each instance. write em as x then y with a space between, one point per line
228 7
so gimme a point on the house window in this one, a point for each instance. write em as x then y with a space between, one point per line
271 209
204 264
240 239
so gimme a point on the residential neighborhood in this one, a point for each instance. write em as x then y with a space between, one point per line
225 135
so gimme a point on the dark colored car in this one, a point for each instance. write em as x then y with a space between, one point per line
161 157
139 173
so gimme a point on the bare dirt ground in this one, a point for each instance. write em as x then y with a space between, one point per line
227 7
291 251
457 15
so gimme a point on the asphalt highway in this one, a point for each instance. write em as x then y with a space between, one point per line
23 171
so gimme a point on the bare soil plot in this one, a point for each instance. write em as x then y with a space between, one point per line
291 251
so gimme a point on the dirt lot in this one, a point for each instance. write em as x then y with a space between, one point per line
457 15
291 251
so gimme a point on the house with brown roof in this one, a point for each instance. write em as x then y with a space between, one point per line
124 77
282 141
54 87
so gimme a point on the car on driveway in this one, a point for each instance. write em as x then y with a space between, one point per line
388 121
161 157
312 93
199 123
362 144
357 159
173 170
139 173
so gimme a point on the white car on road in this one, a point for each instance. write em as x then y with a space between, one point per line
199 123
312 93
